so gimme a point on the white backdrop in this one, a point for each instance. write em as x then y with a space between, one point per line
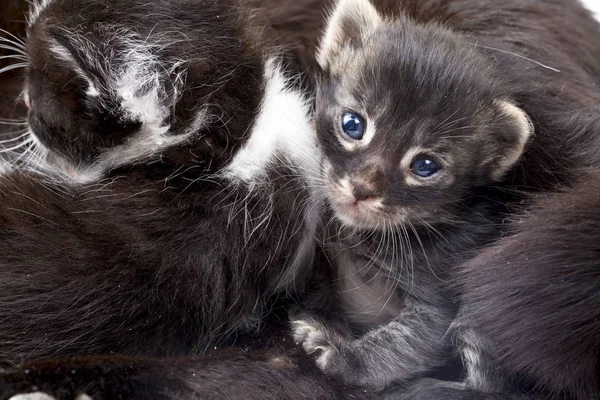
593 5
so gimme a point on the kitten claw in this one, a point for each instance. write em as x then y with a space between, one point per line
316 339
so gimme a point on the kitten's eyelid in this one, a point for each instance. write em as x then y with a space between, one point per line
430 156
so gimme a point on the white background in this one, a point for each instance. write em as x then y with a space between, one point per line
593 5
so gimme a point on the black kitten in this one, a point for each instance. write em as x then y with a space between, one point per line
165 195
423 129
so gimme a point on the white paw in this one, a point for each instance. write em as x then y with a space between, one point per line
314 340
32 396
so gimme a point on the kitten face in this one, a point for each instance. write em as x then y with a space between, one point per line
67 111
124 88
409 119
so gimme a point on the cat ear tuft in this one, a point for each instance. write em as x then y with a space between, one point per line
351 22
513 130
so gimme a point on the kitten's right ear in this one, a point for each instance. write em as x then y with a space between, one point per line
351 22
77 59
506 142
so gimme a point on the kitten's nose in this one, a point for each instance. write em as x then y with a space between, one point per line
363 192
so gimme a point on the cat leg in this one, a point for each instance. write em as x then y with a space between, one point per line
412 344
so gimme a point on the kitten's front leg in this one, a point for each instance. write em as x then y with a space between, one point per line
413 343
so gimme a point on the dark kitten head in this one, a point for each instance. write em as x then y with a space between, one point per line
410 117
109 83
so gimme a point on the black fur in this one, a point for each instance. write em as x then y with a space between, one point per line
269 367
534 294
162 255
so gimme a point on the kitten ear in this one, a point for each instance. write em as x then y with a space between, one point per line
350 23
62 49
512 129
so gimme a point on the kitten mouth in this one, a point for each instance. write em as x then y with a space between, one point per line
354 213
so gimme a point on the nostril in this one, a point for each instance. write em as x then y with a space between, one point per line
362 192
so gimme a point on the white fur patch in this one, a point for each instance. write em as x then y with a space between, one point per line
138 84
283 127
4 167
33 396
35 9
142 145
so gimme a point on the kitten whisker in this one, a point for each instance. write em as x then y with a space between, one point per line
441 124
12 47
15 39
516 55
12 67
15 122
456 129
15 147
12 56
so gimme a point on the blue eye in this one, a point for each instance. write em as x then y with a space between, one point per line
424 167
353 125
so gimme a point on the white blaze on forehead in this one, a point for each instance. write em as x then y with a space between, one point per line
140 84
284 126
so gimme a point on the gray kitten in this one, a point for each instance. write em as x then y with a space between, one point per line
426 120
414 126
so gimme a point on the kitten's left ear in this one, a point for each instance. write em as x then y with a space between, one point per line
506 141
351 22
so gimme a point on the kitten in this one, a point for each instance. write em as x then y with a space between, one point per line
164 199
403 178
424 122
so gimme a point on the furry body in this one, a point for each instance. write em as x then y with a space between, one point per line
138 224
550 74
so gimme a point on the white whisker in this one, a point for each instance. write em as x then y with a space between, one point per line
13 66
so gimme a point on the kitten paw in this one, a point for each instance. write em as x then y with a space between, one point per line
32 396
315 338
